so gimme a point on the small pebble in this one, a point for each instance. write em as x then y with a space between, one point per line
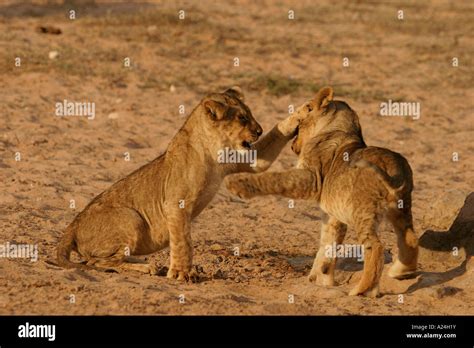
53 54
152 29
216 247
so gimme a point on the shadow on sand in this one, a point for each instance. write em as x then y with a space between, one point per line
460 235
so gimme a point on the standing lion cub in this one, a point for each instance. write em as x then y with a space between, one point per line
353 184
153 207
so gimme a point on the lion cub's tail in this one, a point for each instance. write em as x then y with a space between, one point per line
65 247
386 179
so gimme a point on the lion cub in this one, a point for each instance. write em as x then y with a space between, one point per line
153 207
353 184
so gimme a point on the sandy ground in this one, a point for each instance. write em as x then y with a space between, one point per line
176 62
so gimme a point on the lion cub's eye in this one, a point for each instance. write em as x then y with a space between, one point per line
243 119
310 108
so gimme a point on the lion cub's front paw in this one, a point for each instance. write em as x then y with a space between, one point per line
289 125
373 293
240 186
183 275
321 279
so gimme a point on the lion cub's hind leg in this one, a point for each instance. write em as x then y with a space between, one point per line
366 228
119 262
139 266
107 236
332 233
406 261
110 262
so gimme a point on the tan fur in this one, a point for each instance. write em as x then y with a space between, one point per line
353 184
141 213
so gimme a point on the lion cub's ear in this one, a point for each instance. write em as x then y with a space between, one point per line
235 91
323 97
214 109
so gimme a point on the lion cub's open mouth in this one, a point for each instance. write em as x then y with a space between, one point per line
247 145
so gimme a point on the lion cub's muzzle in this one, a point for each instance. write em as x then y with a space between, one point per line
254 135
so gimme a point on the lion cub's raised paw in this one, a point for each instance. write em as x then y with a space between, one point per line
241 186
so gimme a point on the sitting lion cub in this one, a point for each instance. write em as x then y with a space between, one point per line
354 185
153 207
